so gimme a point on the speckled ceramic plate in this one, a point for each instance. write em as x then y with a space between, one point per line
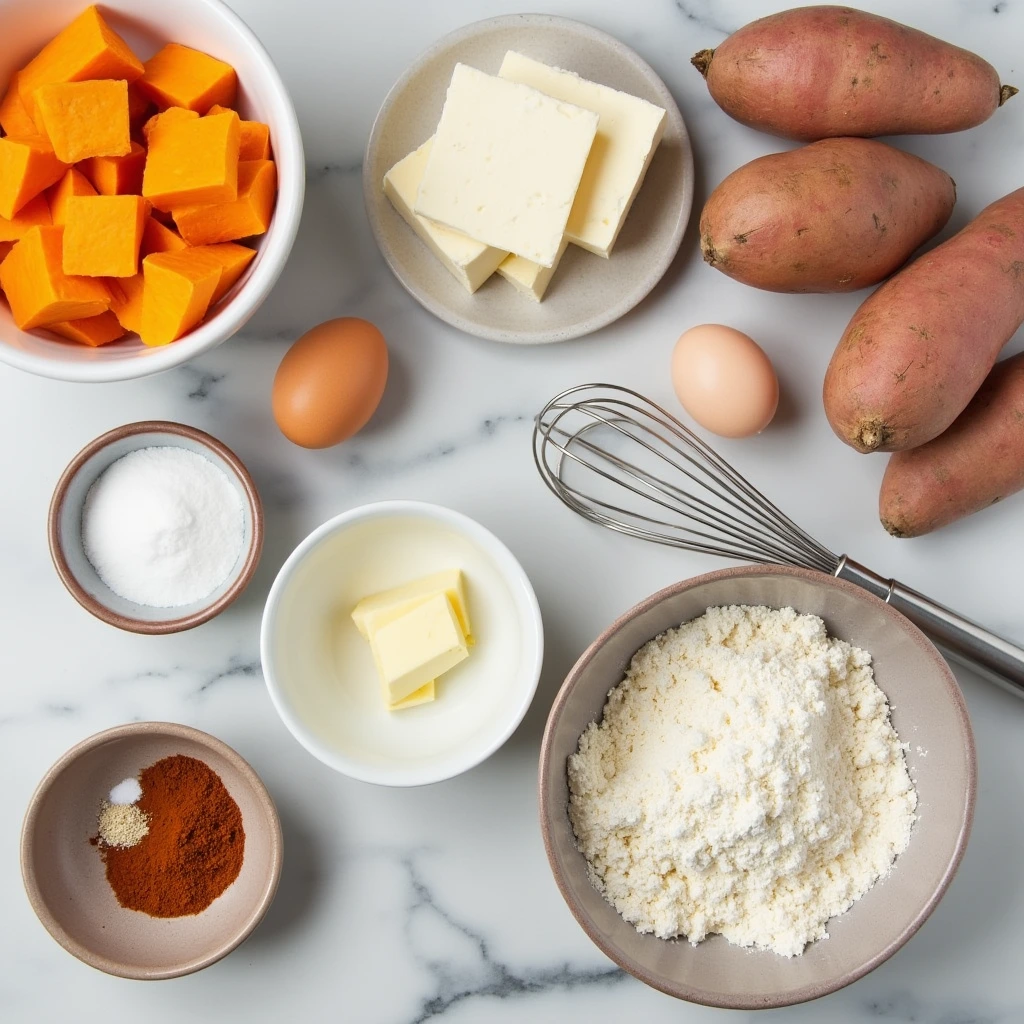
587 292
929 714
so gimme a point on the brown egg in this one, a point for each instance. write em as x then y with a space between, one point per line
330 382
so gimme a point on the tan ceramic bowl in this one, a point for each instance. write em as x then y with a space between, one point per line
64 875
928 713
65 527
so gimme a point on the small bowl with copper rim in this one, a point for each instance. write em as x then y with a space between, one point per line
65 527
65 875
928 713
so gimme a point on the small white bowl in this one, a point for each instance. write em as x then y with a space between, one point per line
320 672
208 25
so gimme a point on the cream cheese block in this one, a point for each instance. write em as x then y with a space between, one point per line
628 133
530 278
469 261
506 164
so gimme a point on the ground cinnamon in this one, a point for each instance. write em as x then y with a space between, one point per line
194 847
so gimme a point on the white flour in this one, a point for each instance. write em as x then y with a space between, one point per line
744 779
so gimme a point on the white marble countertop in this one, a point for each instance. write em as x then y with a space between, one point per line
437 904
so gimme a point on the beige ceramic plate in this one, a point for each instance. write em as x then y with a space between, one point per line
928 713
64 875
587 292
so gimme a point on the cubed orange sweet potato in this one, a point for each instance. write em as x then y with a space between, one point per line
179 287
157 237
14 118
85 119
248 215
234 259
35 213
193 162
27 166
179 76
74 183
126 300
87 49
254 141
93 330
38 290
103 234
116 175
166 117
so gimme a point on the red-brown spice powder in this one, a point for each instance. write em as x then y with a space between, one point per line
194 848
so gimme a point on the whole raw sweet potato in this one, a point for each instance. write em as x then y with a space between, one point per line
919 347
818 72
975 463
834 216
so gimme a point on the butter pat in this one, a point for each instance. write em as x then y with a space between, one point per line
628 133
379 609
530 278
470 262
424 695
505 164
418 646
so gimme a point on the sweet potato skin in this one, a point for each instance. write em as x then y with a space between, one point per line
978 461
834 216
919 347
819 72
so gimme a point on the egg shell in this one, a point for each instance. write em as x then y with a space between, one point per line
330 382
724 380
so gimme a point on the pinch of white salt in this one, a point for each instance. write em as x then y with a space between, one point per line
126 792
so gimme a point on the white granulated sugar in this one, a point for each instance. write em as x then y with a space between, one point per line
163 526
744 780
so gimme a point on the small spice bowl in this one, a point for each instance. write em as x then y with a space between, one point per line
65 527
64 874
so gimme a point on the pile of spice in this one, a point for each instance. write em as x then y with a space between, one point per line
163 527
172 841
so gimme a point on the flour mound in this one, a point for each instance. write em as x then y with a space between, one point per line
744 780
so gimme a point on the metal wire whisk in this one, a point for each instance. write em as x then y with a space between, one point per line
622 461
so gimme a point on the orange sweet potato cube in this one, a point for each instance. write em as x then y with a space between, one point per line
179 287
164 118
35 213
193 162
157 237
85 119
74 183
116 175
87 48
126 300
233 259
27 166
14 118
103 234
93 330
248 215
39 291
254 142
179 76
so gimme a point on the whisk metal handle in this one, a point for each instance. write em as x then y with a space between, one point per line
991 656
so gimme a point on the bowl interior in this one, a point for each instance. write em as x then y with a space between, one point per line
65 874
321 672
927 712
587 291
69 527
25 26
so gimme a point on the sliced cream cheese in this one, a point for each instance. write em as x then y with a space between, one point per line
628 133
505 164
470 262
530 278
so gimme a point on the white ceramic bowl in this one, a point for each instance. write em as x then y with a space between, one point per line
208 25
319 670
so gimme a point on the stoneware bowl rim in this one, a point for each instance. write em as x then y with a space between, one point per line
158 626
172 729
275 248
549 812
371 186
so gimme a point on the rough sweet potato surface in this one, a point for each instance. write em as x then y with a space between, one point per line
834 216
919 347
978 461
819 72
